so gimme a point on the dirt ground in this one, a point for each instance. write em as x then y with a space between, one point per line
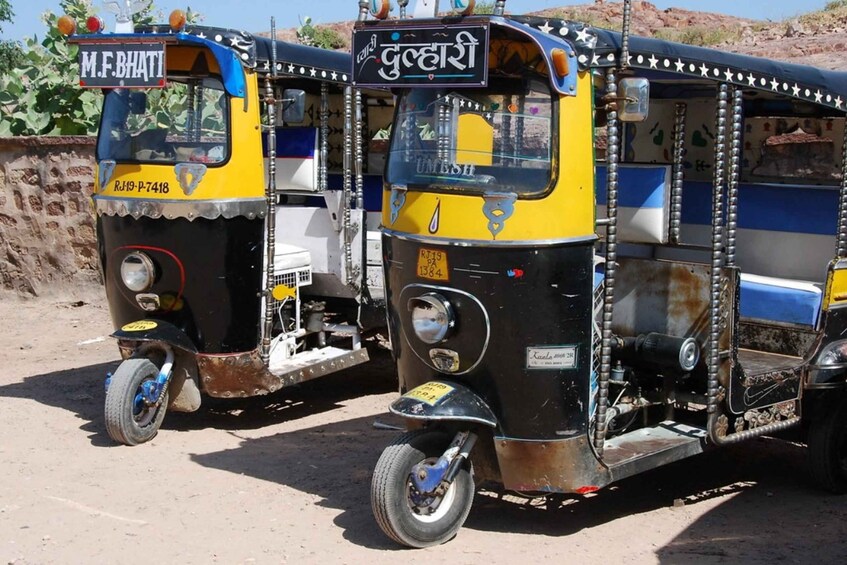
285 478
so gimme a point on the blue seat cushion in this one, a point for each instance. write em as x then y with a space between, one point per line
780 300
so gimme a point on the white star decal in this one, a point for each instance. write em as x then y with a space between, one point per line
728 74
775 85
582 36
818 96
290 68
704 70
680 66
488 115
838 102
462 103
334 75
201 35
653 61
628 60
233 41
546 28
595 60
751 79
313 72
795 89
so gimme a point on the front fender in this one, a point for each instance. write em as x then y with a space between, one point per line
156 330
444 400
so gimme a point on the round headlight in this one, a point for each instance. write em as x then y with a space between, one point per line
432 317
138 272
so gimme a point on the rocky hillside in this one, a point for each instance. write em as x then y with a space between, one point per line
817 38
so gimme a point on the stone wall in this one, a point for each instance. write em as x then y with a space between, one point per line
47 234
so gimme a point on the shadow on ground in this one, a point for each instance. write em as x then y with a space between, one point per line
82 392
772 501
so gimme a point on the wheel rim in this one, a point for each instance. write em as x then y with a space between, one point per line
142 413
420 505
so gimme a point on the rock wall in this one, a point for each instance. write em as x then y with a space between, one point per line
47 233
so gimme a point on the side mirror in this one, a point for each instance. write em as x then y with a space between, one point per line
294 106
138 102
634 95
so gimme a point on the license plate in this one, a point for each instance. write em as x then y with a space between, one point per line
122 65
430 393
432 265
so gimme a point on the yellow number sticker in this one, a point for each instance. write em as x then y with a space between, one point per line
432 264
430 392
139 326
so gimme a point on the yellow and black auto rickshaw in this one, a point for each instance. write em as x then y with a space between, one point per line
602 254
231 200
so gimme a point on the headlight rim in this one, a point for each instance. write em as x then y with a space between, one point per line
148 265
440 303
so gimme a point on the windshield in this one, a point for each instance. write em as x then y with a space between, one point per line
187 121
476 140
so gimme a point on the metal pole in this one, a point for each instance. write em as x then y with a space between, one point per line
348 172
358 147
364 8
612 152
323 169
717 251
499 7
402 4
841 248
734 174
270 196
627 20
678 173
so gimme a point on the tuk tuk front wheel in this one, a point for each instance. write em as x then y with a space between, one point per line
406 515
827 449
129 420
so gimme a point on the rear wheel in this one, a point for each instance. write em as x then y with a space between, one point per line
129 420
827 447
410 517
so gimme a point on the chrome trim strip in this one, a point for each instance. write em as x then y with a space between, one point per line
171 209
486 243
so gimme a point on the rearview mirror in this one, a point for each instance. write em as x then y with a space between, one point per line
634 95
294 106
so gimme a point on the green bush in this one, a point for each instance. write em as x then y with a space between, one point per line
323 37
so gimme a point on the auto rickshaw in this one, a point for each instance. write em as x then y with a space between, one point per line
231 209
602 254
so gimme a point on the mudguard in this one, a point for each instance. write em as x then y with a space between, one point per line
156 330
444 400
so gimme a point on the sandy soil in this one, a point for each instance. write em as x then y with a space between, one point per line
285 478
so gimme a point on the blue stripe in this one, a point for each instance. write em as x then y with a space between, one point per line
293 142
641 187
770 207
778 304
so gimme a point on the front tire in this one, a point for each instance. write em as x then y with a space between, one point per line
406 515
128 419
827 449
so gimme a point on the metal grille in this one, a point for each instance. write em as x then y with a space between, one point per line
596 332
293 279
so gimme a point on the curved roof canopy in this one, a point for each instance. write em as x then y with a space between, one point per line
599 48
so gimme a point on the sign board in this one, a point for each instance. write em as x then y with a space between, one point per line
122 65
424 56
551 357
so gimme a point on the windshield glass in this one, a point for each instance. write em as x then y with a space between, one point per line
476 140
187 121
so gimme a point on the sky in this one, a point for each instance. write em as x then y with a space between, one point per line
254 15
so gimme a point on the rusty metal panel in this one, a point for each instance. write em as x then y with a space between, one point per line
549 466
244 374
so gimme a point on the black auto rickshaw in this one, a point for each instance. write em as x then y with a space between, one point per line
231 214
602 254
